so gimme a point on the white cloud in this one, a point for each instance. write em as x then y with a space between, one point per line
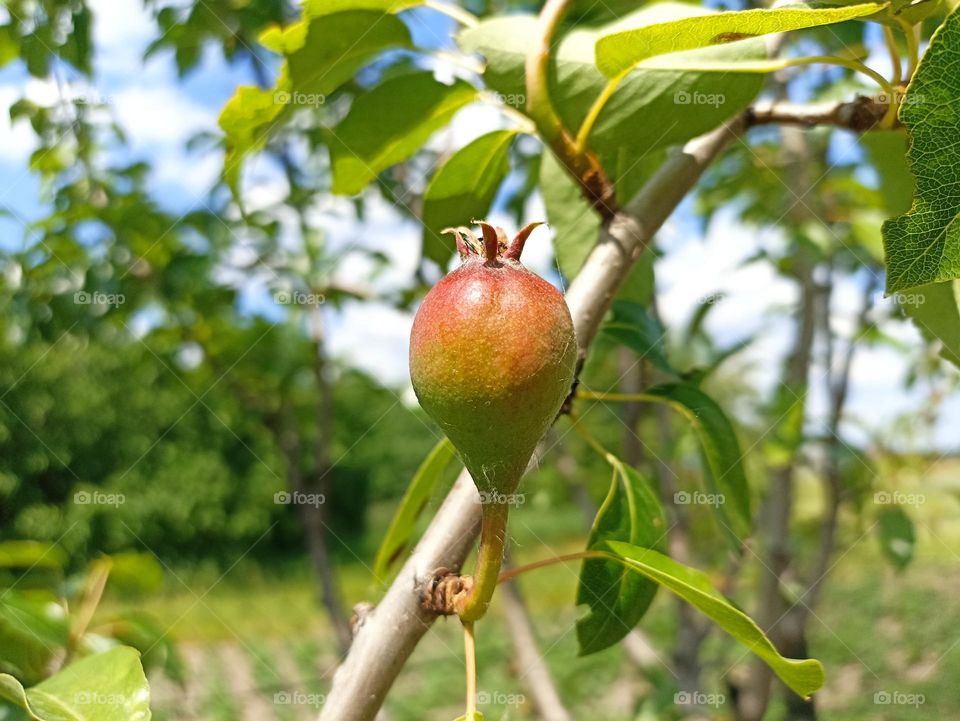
160 115
467 125
17 141
121 33
693 270
191 174
374 337
158 121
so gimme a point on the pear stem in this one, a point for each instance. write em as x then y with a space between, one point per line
493 537
470 653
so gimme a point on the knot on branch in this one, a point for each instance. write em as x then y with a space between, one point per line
863 113
361 612
444 590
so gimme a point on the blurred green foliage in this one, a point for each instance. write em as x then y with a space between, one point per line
140 407
109 446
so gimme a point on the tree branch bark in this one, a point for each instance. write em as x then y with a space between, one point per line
861 114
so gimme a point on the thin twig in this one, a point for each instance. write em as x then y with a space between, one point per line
861 114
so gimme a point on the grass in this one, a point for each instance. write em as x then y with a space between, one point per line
876 631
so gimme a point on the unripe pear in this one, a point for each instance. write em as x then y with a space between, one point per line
492 358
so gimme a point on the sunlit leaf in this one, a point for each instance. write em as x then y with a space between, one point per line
108 686
321 55
315 8
247 121
618 52
684 104
693 586
325 52
389 124
923 246
9 47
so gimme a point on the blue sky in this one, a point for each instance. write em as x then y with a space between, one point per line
160 112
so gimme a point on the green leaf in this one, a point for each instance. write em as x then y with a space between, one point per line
415 499
632 326
108 686
31 554
321 55
721 449
618 599
463 189
803 676
576 228
575 225
619 52
365 144
623 130
475 716
935 310
887 152
9 45
897 537
315 8
324 53
923 246
913 11
247 120
133 571
33 628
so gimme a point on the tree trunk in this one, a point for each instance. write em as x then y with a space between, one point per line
314 516
797 619
755 695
